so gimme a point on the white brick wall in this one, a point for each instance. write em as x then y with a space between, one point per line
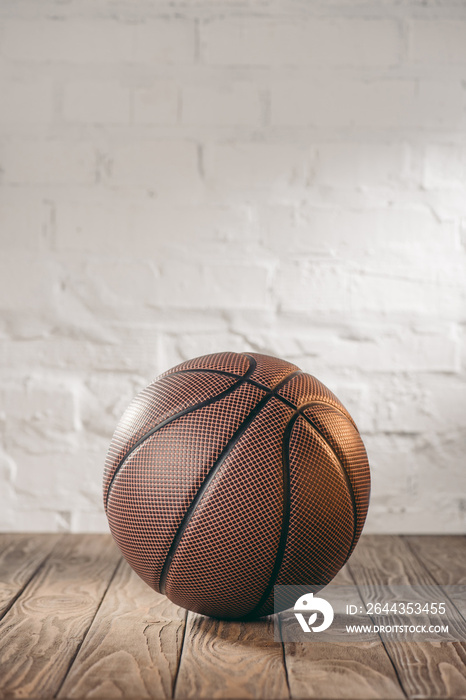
183 178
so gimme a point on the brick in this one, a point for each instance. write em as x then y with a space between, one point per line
314 287
387 103
331 287
400 294
410 236
70 40
367 347
221 106
23 292
219 231
156 104
351 164
26 101
122 228
106 41
442 465
156 165
28 162
437 42
133 351
340 103
445 166
439 104
103 102
266 41
38 406
88 226
164 41
52 478
248 41
183 285
277 167
25 219
354 42
423 403
124 282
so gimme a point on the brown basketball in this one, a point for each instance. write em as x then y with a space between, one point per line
232 473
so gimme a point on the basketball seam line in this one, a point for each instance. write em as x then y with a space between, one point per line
283 539
344 472
317 401
174 417
253 382
217 371
287 508
213 470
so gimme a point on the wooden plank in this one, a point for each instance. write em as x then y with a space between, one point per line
41 633
443 555
229 659
339 670
133 646
445 558
425 669
20 556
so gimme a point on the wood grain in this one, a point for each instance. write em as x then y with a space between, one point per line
20 556
40 634
85 626
445 558
223 659
425 670
338 670
133 646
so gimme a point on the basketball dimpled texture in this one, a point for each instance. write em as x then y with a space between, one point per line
232 473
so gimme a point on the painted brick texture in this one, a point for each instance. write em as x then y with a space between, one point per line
189 177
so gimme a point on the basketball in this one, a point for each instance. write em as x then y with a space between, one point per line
232 473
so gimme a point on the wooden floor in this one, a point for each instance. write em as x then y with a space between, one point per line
76 622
